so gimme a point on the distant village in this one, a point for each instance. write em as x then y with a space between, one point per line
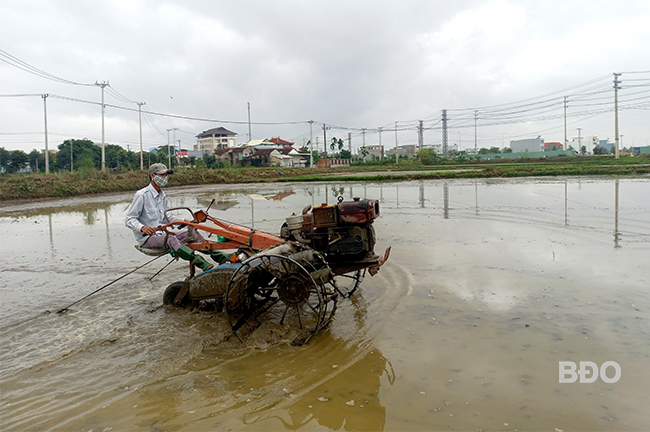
222 143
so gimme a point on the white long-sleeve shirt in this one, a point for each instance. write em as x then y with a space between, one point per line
148 209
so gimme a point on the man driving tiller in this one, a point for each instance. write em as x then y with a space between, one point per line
148 211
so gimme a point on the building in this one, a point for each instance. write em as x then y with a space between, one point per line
280 142
588 142
299 159
407 151
607 145
215 139
374 151
553 146
239 156
527 145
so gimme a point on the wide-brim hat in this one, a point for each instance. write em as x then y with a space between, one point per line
159 168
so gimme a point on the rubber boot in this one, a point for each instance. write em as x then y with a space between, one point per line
201 263
189 254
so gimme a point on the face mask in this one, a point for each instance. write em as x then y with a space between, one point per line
161 181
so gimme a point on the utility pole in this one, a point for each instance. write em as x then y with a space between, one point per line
311 144
250 136
579 140
47 151
475 132
325 129
381 149
350 143
420 134
102 85
444 133
566 142
616 88
396 153
71 170
169 153
174 129
140 118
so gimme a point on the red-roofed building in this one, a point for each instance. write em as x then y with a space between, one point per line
280 141
552 146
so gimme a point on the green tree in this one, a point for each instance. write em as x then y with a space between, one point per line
428 156
37 161
210 160
4 159
336 143
363 152
81 149
346 154
16 160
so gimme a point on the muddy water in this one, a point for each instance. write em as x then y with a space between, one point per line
490 284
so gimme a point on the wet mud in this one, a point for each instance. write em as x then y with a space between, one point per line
490 284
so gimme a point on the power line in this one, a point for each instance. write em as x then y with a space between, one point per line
16 62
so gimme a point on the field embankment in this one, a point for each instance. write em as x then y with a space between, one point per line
85 182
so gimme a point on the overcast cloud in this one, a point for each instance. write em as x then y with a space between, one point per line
349 64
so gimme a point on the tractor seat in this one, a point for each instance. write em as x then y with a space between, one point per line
152 251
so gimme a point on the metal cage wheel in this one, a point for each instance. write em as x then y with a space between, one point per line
279 289
346 284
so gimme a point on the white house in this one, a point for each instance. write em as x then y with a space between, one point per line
215 139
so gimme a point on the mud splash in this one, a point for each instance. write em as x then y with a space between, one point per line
490 284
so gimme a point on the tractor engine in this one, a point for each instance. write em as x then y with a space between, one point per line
343 232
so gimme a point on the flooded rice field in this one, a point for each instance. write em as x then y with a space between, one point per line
490 285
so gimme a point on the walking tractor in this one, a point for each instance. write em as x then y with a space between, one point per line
294 279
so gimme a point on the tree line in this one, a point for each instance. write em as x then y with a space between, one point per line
77 154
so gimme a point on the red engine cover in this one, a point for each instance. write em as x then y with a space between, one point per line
359 211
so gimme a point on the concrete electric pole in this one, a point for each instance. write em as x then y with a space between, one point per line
311 144
140 119
102 84
325 129
169 153
250 136
47 150
566 142
616 89
475 132
445 142
396 152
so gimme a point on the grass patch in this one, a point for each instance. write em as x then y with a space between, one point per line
90 181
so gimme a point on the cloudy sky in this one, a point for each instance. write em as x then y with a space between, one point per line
352 65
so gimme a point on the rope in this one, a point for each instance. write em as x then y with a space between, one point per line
65 309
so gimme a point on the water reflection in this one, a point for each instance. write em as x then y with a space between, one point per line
473 270
494 196
617 234
348 401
